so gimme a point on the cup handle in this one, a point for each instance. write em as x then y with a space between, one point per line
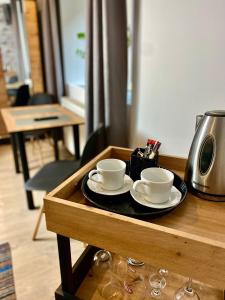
137 183
92 173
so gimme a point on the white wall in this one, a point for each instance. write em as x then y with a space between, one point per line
181 70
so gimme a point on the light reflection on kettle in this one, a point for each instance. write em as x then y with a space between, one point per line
198 120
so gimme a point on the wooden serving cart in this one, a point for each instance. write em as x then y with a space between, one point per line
190 240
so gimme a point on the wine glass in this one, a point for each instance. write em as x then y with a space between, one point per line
102 265
102 259
109 284
131 275
102 269
112 290
157 283
186 292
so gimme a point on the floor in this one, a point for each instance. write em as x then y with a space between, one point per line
35 263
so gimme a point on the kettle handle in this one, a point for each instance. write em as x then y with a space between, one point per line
198 121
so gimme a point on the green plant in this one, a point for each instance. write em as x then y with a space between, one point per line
82 36
81 52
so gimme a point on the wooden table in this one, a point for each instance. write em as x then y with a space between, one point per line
19 120
190 240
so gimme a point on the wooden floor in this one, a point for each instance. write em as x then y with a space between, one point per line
35 264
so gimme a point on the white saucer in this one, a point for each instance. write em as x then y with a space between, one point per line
173 200
97 187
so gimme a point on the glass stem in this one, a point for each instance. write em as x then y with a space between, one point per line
189 284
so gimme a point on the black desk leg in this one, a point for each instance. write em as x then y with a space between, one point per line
15 154
55 139
65 264
76 139
23 157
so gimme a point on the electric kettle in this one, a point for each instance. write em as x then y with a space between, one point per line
205 169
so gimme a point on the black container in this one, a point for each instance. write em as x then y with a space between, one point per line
138 163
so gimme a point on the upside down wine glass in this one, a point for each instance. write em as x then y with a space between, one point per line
157 282
116 279
102 262
131 273
108 286
186 292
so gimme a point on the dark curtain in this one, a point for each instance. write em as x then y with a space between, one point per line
106 72
49 19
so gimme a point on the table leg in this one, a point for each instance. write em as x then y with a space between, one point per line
55 139
72 277
76 139
25 169
15 154
65 264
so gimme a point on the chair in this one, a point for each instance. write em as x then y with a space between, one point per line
22 96
53 173
12 92
41 98
13 79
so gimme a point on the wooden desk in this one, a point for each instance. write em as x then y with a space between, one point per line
190 240
19 120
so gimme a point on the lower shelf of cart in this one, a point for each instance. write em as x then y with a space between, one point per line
99 285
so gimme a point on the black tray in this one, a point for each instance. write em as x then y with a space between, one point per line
124 204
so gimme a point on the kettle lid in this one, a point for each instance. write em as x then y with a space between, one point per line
215 113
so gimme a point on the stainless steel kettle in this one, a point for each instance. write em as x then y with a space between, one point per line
205 170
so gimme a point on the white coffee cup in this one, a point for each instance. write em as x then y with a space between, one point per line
156 184
111 171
